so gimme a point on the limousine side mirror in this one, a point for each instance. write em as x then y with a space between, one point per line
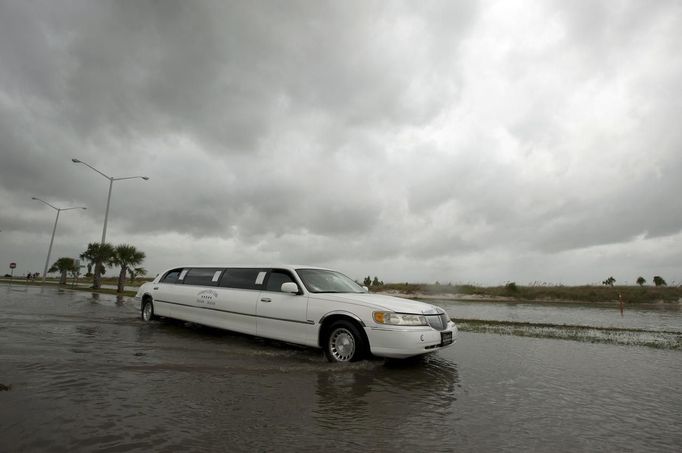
366 289
289 287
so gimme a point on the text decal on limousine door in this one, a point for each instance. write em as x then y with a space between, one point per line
207 297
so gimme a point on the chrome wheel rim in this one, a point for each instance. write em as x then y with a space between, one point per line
342 345
147 312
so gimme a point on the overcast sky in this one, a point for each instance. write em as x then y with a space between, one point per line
464 142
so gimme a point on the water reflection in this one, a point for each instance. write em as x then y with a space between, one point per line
16 288
87 331
397 392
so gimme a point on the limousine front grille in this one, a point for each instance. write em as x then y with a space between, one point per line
438 322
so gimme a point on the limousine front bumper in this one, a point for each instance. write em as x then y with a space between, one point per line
402 342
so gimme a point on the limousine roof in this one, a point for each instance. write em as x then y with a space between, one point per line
247 266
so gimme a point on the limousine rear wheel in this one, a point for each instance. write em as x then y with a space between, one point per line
344 343
148 310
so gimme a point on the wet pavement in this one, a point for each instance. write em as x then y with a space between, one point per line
86 374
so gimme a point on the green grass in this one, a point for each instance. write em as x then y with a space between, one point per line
590 334
586 293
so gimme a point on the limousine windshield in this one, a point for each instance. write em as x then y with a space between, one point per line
326 281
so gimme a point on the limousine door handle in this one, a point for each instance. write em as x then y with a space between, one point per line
265 299
156 287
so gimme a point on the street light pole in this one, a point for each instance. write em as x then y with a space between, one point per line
111 184
106 211
54 230
111 179
49 249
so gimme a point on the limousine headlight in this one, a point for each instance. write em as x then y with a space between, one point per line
398 319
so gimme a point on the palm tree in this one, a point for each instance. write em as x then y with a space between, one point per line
137 271
609 281
658 281
90 256
641 280
63 265
101 255
126 257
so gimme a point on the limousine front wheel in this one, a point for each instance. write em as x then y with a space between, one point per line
344 343
147 310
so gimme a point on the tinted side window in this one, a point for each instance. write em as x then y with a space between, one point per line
243 278
171 276
276 279
203 276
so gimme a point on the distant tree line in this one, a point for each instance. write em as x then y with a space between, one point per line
641 281
512 286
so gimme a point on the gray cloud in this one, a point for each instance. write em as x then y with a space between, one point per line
451 141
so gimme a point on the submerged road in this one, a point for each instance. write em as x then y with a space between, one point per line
84 373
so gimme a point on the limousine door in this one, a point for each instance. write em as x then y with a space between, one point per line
283 316
165 294
236 298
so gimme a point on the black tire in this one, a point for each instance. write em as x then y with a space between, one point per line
147 311
344 342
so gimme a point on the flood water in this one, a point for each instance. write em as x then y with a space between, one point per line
87 374
659 317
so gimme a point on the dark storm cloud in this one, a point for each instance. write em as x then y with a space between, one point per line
441 134
216 71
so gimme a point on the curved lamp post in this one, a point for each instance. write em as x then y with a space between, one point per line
54 229
106 212
111 183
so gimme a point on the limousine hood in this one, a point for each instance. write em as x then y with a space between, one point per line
380 302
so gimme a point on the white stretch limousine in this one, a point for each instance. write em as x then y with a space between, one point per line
297 304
